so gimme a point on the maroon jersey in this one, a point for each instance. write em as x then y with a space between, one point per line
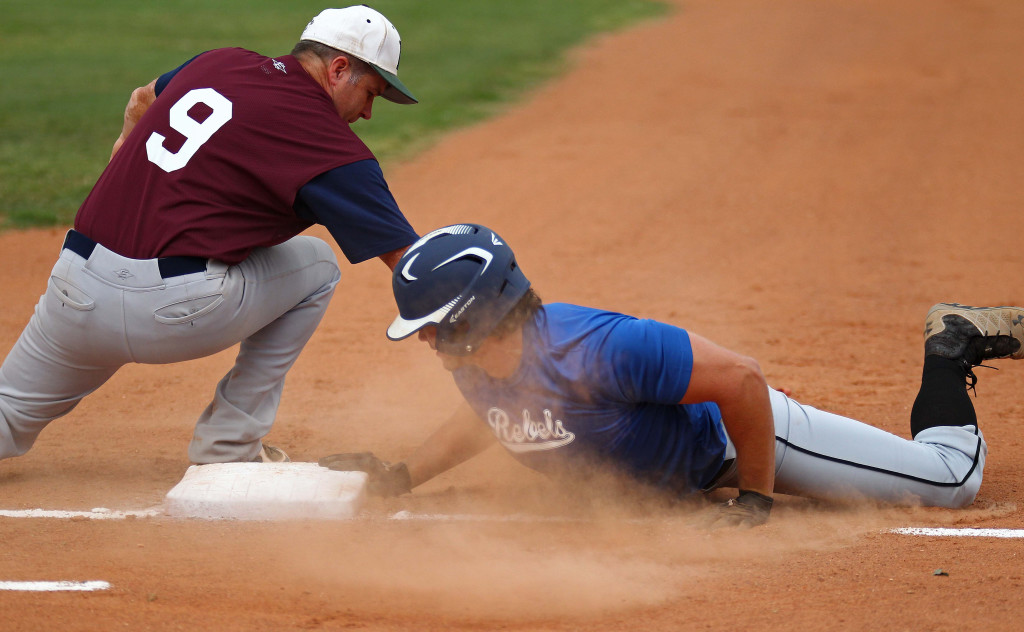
213 166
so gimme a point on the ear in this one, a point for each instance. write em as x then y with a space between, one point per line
338 67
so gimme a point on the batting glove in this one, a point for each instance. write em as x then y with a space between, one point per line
383 478
749 509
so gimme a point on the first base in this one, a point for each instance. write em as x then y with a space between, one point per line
266 491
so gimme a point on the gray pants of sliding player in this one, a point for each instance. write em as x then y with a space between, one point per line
823 455
102 313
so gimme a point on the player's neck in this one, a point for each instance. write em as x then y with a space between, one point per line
316 69
500 357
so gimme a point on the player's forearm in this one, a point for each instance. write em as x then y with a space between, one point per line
735 383
748 420
390 259
459 439
139 102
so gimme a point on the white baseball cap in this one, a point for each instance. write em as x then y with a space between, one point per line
366 35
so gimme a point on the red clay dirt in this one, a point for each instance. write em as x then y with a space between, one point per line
796 179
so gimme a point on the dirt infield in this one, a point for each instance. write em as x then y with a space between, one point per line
797 179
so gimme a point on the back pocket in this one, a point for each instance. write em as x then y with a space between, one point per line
69 295
188 310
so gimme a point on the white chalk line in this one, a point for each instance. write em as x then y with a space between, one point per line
99 513
960 533
61 586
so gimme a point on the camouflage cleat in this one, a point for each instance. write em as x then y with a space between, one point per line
974 334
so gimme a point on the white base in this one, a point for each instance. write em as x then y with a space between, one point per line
266 491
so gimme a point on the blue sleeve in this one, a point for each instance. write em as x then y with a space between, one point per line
354 203
165 78
649 361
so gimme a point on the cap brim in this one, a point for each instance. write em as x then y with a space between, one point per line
402 328
396 92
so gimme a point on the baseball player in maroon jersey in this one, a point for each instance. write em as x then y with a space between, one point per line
188 243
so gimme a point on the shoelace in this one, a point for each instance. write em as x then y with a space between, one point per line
971 378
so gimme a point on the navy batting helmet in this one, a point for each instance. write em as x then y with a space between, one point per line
463 279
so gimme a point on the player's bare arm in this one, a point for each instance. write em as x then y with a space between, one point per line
735 383
459 439
139 102
390 259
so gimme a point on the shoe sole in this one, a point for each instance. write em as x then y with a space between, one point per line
271 454
990 321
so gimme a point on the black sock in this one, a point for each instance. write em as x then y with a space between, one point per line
943 398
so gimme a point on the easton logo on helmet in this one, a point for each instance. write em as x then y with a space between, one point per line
456 315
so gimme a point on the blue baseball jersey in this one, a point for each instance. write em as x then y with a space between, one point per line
600 387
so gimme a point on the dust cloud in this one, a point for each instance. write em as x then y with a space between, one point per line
521 549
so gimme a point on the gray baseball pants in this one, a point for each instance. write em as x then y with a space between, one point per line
823 455
102 313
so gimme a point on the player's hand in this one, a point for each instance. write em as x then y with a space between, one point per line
384 479
749 509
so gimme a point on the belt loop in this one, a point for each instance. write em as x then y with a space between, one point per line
79 244
177 266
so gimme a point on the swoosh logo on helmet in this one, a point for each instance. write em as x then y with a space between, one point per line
479 252
405 269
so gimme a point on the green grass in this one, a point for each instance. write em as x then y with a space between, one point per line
67 68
